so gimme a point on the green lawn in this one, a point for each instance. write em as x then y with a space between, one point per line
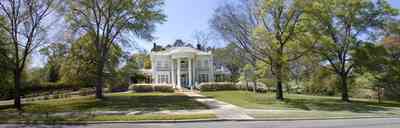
152 117
83 118
304 105
113 102
37 110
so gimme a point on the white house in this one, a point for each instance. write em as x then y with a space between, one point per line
182 67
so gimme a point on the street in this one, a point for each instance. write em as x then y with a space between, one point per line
342 123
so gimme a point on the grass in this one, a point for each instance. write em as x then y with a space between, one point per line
82 118
112 102
152 117
304 105
41 111
311 114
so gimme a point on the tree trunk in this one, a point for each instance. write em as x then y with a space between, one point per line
379 94
279 66
247 85
99 79
279 92
255 86
345 95
17 84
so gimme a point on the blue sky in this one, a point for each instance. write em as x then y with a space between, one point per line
184 17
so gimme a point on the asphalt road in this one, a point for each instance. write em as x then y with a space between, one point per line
347 123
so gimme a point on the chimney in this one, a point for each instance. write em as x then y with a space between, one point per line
198 46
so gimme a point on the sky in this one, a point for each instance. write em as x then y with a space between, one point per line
184 17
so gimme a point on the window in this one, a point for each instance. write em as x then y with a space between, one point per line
159 64
162 65
203 78
166 65
163 79
184 65
205 63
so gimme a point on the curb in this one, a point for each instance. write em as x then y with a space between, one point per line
326 118
197 120
108 122
158 121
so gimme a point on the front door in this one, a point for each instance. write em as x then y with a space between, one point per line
184 81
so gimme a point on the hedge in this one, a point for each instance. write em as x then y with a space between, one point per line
142 88
118 87
151 88
163 88
217 86
48 86
33 89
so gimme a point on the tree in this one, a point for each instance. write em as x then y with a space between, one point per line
79 66
265 29
108 20
56 53
142 60
203 39
24 27
234 23
302 71
342 25
231 58
249 73
5 73
382 61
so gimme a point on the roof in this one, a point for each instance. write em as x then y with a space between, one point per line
178 50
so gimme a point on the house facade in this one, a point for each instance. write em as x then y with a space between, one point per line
182 67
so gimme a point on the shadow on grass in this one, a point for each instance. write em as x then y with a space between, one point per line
45 119
114 102
333 105
147 103
302 102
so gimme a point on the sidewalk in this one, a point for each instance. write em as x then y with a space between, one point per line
222 110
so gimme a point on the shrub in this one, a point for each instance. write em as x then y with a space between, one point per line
142 88
163 88
6 92
151 88
217 86
47 86
120 87
261 87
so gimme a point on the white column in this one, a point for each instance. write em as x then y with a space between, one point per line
194 72
211 66
153 71
179 73
190 72
172 73
156 78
